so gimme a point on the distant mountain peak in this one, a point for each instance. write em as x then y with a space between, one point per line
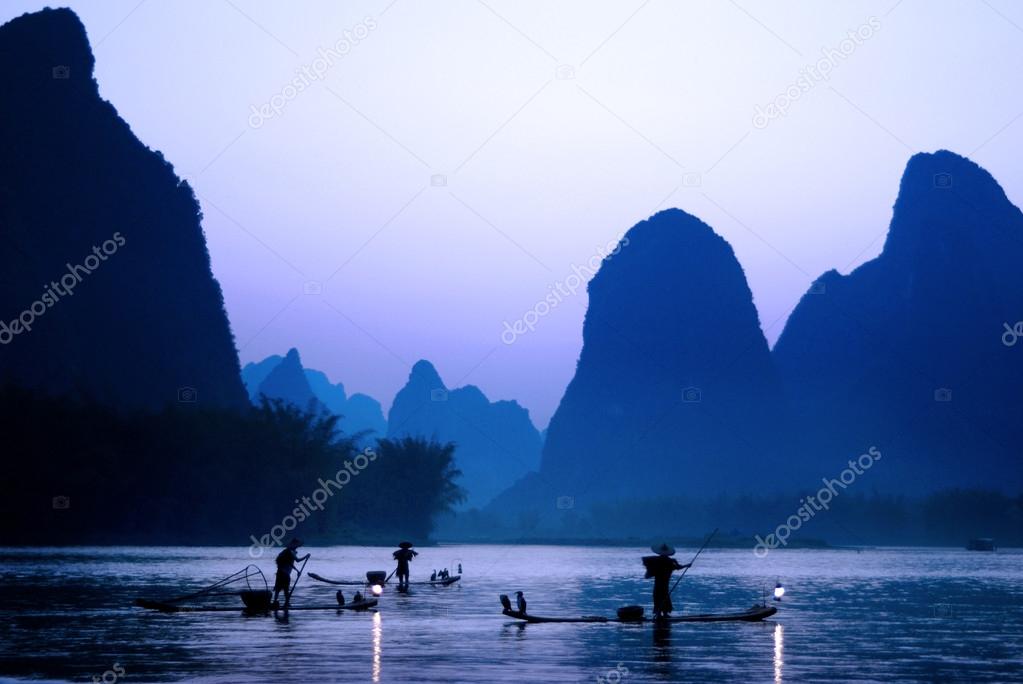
424 374
945 201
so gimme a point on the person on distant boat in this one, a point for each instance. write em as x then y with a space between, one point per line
433 577
286 560
403 555
660 568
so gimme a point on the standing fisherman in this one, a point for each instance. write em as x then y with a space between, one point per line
286 560
660 568
403 555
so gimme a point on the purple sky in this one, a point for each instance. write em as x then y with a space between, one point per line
333 193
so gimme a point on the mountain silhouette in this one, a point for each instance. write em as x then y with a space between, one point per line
290 381
106 291
497 442
287 381
359 411
906 353
675 391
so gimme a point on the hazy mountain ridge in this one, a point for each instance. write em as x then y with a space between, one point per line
906 352
284 377
496 442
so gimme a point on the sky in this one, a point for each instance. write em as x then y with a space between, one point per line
394 180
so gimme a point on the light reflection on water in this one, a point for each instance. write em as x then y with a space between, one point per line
377 638
779 652
846 617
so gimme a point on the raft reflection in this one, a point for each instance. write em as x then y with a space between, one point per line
378 633
779 653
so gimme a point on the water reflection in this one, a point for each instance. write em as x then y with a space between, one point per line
378 633
662 641
779 653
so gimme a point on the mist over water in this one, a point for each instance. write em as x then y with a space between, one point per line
876 615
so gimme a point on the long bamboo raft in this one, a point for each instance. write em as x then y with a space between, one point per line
754 614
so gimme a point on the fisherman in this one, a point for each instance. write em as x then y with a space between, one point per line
660 568
286 560
403 555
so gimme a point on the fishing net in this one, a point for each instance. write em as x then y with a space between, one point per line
253 578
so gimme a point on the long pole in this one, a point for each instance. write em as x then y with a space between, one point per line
707 541
288 600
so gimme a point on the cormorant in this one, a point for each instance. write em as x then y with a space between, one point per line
506 602
520 601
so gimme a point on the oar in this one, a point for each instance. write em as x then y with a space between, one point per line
293 586
707 541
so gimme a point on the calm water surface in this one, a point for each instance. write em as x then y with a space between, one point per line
886 615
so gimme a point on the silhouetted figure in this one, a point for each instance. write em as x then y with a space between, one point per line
340 598
403 555
506 602
357 598
660 568
433 577
286 560
459 568
520 601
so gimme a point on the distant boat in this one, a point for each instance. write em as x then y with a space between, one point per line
981 544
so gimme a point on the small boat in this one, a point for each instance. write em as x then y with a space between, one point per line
981 544
251 607
368 582
754 614
255 600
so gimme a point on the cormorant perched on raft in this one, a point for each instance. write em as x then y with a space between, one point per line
506 602
520 601
433 577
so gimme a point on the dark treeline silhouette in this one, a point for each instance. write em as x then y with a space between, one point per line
82 473
947 518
